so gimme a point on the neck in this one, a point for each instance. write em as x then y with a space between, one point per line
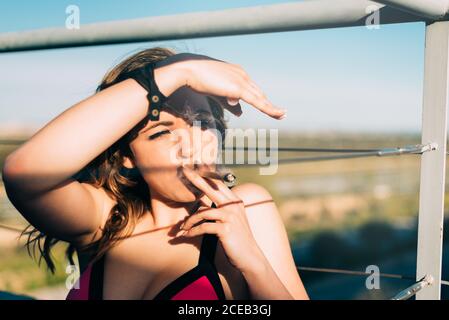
167 213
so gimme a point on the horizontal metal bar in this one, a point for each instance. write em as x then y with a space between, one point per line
431 9
294 16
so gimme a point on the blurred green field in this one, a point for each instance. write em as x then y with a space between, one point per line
337 195
20 274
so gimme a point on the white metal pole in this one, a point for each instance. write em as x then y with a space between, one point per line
292 16
433 164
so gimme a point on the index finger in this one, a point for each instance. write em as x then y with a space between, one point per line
254 97
214 194
207 173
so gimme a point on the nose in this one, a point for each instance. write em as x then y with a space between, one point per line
191 143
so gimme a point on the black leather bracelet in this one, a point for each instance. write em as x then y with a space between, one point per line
145 77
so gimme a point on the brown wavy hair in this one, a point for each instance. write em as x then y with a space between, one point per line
126 186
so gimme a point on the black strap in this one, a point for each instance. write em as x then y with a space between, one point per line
145 77
96 280
208 246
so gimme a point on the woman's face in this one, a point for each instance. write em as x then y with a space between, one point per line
162 147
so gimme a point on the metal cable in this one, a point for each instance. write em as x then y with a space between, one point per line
354 273
280 149
11 141
412 149
295 149
352 153
402 295
362 273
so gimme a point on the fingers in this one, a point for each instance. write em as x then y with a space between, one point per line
256 87
256 95
206 227
216 196
251 96
204 214
218 182
239 69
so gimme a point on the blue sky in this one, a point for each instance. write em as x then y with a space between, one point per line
351 79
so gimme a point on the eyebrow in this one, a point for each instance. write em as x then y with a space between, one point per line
156 124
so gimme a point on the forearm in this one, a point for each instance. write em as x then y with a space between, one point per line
263 282
79 134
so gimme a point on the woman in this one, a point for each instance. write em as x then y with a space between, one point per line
146 224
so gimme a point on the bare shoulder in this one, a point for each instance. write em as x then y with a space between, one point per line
251 190
271 235
253 196
260 208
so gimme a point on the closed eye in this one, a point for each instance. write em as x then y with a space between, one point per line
158 134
